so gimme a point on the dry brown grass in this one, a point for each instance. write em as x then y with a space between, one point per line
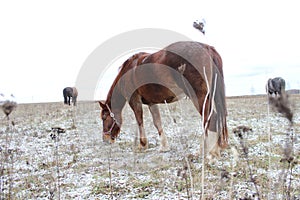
29 161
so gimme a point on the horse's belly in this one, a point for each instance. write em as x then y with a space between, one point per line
154 93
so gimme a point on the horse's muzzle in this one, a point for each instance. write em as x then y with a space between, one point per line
107 138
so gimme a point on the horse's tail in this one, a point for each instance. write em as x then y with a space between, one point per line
218 90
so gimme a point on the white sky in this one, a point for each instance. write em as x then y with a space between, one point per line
43 44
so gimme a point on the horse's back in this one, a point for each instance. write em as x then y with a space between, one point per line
277 85
197 59
280 81
70 91
195 54
67 91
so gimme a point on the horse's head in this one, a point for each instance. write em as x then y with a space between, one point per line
111 127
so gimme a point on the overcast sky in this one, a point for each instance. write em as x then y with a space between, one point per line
43 44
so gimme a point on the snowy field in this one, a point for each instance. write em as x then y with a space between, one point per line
38 163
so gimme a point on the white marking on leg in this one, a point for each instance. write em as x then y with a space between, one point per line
211 144
143 138
164 146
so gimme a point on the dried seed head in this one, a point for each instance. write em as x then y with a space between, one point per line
282 105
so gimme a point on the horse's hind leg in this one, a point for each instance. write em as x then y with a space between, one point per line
65 100
164 146
211 144
211 139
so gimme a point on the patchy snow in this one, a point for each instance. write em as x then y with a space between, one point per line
75 164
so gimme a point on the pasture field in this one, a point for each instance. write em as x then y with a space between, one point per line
37 162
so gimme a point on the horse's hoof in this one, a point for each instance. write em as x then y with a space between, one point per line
142 148
211 160
164 149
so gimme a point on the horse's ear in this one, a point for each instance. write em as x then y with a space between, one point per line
102 104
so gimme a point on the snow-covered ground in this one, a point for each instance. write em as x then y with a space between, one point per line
78 165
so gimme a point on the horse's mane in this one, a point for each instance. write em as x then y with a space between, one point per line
125 67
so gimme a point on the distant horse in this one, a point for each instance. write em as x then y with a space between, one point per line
276 86
70 92
183 68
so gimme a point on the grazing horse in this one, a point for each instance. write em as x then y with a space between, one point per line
276 86
70 92
181 69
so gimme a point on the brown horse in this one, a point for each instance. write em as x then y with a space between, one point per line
183 68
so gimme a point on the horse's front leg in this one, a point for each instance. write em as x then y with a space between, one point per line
138 112
164 146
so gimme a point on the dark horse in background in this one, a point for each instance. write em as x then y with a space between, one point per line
70 92
183 68
275 86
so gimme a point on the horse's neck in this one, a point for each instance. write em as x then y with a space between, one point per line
116 103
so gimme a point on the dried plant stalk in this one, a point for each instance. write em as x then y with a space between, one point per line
205 126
